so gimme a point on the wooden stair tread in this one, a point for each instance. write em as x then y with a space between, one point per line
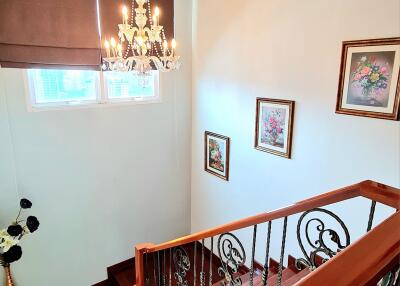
257 273
258 266
297 277
274 265
273 279
292 263
126 277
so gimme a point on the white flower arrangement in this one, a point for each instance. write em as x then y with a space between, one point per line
10 251
7 241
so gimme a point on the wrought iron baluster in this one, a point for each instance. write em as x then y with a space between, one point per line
170 267
253 249
320 245
182 265
164 270
371 215
232 256
211 258
396 282
146 269
266 265
202 274
194 262
159 268
282 252
154 268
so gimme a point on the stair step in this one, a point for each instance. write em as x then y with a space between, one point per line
258 266
126 277
103 283
274 266
273 280
319 260
297 277
123 273
292 263
257 273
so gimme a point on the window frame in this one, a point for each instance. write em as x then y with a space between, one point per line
100 101
137 99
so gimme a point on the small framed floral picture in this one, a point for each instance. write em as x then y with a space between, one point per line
274 125
369 81
216 155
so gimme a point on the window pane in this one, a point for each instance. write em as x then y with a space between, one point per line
128 85
50 86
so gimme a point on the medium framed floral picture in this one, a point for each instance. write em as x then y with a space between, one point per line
369 81
274 126
216 155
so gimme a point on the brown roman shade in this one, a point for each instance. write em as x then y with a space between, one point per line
111 16
49 33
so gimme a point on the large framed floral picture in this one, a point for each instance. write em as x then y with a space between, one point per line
216 155
274 126
369 81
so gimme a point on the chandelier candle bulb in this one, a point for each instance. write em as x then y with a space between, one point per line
156 15
124 15
155 21
107 47
113 46
173 45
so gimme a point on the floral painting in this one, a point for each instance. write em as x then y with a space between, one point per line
274 126
371 74
216 153
369 78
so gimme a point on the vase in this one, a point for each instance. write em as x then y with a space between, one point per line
8 277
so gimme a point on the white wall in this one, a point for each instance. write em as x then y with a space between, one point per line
101 180
287 50
7 166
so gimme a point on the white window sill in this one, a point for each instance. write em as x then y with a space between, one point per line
91 104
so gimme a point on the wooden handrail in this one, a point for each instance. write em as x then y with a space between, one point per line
369 189
381 193
358 263
305 205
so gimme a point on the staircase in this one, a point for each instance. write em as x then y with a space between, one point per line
217 256
123 274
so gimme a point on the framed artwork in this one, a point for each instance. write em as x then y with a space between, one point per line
216 155
369 81
274 126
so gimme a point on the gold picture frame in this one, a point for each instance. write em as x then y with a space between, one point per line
274 126
216 154
369 79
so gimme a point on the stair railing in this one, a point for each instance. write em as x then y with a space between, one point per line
356 264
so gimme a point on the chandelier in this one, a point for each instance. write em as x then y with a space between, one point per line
141 46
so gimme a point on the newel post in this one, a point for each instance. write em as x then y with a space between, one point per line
140 250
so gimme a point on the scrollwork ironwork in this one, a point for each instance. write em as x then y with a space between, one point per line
232 256
182 266
320 245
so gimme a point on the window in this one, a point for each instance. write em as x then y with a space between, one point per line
57 87
128 86
65 88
